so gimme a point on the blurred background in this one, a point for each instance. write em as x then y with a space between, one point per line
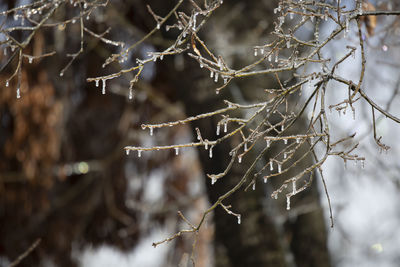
65 178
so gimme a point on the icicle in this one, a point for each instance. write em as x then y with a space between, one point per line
30 59
282 128
139 153
271 167
176 151
270 57
206 145
151 131
85 5
97 83
240 159
276 196
161 57
285 155
210 152
294 187
288 44
201 65
103 89
130 93
218 129
127 152
225 127
346 25
198 135
216 77
288 202
213 180
7 83
245 146
262 51
158 26
291 15
255 52
279 168
239 219
311 140
18 92
276 57
73 21
225 80
297 140
285 141
265 180
211 74
254 186
268 142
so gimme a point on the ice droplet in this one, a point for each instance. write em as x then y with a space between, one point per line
268 142
18 93
239 219
30 59
7 83
255 52
210 154
279 168
97 83
218 129
285 141
176 151
245 146
216 77
254 186
285 155
201 65
158 26
151 131
265 180
211 74
270 57
271 166
139 153
240 159
225 127
127 152
213 180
